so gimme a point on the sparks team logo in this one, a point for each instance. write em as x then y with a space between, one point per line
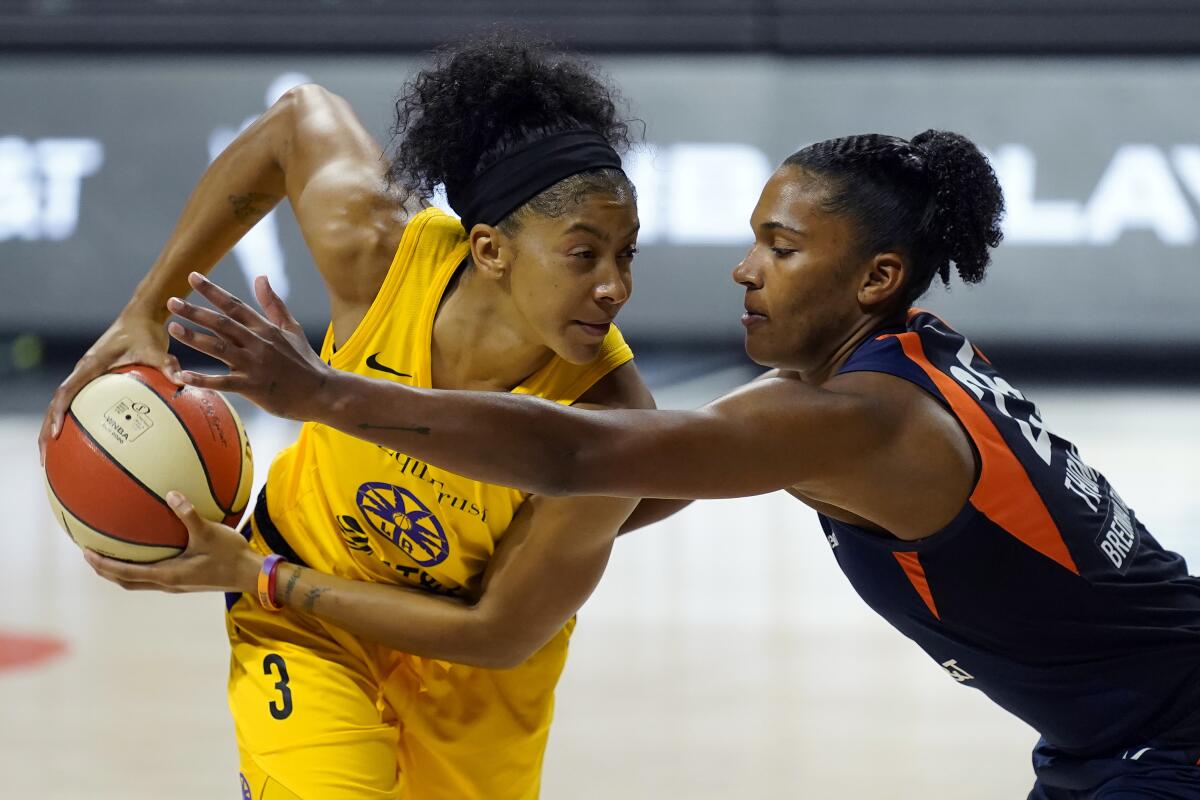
245 788
401 517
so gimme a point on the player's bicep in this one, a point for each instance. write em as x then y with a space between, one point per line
336 214
547 564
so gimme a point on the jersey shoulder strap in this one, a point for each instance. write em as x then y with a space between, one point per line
431 241
882 351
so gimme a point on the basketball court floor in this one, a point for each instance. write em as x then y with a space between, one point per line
722 656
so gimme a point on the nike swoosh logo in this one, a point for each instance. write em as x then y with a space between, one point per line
373 363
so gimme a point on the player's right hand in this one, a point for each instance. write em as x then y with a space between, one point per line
134 338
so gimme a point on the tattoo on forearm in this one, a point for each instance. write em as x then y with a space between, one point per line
291 584
310 599
367 426
250 208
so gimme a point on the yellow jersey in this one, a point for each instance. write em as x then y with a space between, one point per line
352 508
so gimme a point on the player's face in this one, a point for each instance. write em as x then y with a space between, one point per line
572 273
799 276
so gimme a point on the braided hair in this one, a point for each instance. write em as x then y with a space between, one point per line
935 199
485 98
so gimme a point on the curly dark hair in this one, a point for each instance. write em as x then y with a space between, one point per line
485 98
934 198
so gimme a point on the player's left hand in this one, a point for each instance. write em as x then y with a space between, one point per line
217 559
270 360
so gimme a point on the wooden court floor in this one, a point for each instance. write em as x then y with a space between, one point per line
722 656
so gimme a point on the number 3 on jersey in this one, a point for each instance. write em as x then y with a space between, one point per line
274 666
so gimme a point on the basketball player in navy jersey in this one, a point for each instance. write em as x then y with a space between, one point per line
950 506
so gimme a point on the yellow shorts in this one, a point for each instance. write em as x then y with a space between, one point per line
323 715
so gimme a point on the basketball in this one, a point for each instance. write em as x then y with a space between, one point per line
130 437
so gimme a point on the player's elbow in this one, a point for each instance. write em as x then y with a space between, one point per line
489 659
288 110
306 95
507 658
497 655
501 643
309 115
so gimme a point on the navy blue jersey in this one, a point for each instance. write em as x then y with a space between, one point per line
1045 592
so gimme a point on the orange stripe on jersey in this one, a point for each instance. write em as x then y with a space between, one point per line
911 562
1004 494
914 311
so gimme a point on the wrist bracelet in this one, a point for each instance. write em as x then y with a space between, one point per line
266 582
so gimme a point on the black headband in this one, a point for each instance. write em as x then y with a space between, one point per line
518 177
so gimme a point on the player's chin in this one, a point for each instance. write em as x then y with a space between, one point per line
759 349
578 347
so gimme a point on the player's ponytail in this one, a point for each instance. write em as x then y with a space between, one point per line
935 199
967 203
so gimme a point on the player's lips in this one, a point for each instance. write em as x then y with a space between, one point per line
595 328
753 317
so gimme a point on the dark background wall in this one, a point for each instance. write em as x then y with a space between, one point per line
789 27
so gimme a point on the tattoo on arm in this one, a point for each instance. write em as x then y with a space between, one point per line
250 208
367 426
291 584
310 599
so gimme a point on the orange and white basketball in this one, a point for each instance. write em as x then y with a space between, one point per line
130 437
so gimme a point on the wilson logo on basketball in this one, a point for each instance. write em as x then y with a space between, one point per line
127 420
404 520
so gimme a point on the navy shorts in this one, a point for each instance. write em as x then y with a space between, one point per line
1140 773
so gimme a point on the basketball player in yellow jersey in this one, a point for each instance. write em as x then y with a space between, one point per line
408 643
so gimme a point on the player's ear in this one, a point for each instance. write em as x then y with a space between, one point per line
882 280
491 251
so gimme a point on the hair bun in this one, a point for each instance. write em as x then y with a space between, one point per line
967 202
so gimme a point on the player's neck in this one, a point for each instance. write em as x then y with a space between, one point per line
480 342
847 344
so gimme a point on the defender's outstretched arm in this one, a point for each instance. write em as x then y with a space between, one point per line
770 434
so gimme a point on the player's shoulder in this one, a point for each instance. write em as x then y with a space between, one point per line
622 387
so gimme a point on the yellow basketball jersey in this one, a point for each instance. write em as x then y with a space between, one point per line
362 511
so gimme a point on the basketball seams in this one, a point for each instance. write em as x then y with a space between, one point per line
212 490
165 460
66 509
92 537
115 462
